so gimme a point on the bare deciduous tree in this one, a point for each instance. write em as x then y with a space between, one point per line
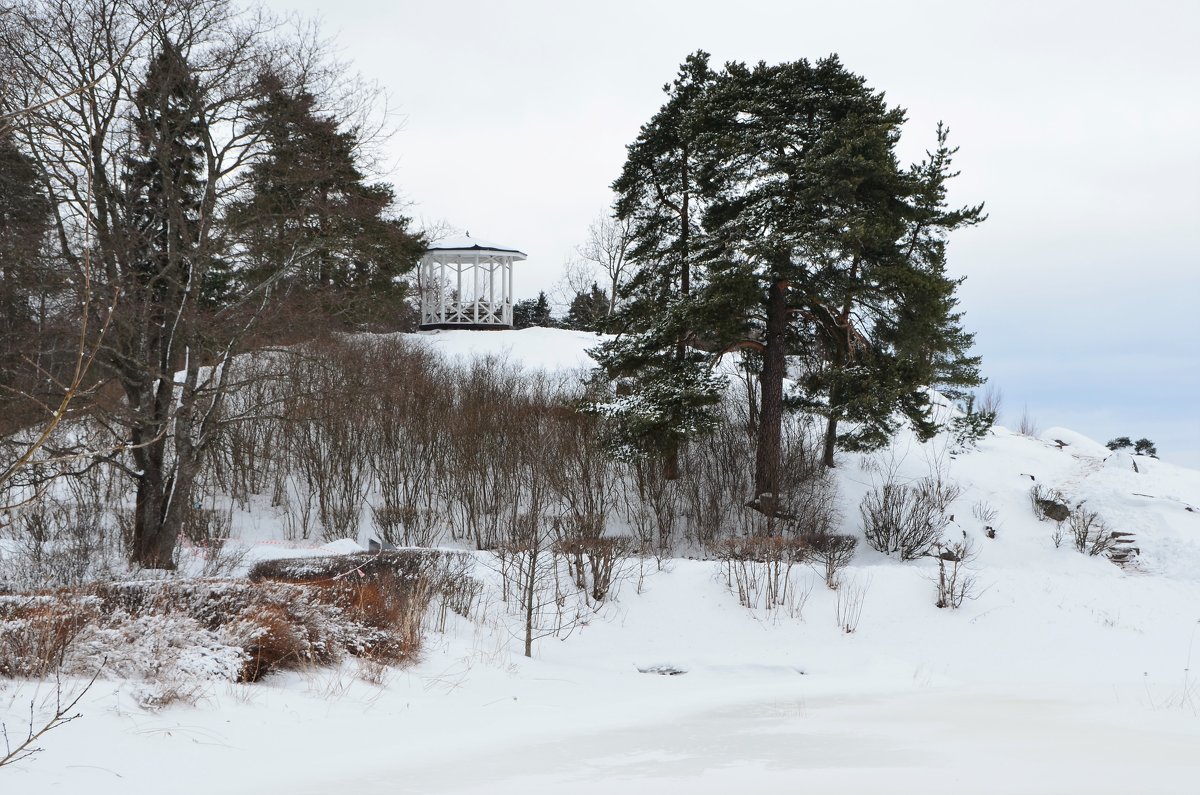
607 247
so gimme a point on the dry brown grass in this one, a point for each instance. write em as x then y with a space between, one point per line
308 612
36 630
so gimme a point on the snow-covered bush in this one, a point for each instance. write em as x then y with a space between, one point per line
172 632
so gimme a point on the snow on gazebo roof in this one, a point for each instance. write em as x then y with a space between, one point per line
467 244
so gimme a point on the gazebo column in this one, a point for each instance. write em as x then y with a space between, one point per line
475 289
508 293
458 298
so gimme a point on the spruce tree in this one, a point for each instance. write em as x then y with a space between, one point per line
588 310
158 330
533 312
313 223
24 222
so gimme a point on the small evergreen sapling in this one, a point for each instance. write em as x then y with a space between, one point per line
971 426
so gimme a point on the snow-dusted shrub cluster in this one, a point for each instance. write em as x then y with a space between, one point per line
1087 530
172 632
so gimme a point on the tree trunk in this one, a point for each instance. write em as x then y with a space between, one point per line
671 456
153 544
529 588
770 416
830 440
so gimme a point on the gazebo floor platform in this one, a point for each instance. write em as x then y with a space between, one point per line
465 326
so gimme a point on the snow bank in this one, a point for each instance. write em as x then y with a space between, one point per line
538 348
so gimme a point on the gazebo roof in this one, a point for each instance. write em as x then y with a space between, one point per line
465 244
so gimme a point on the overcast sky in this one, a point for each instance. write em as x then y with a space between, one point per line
1078 122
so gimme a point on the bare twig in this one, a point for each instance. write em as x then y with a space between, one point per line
63 714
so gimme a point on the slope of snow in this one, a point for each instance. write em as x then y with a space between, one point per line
1067 674
538 348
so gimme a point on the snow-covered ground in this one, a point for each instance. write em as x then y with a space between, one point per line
1067 673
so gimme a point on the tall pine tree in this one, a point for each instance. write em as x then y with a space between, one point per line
809 239
667 392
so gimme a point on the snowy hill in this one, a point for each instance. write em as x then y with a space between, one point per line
1065 673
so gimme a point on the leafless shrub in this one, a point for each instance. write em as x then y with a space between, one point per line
206 535
651 506
830 553
1089 533
758 568
955 583
409 426
1048 504
848 607
406 525
57 541
596 563
991 400
477 476
715 479
455 589
986 515
1027 426
243 458
906 520
533 572
327 435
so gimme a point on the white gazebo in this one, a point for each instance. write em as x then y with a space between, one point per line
467 283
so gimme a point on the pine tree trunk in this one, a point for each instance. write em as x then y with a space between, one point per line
770 417
671 456
830 440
